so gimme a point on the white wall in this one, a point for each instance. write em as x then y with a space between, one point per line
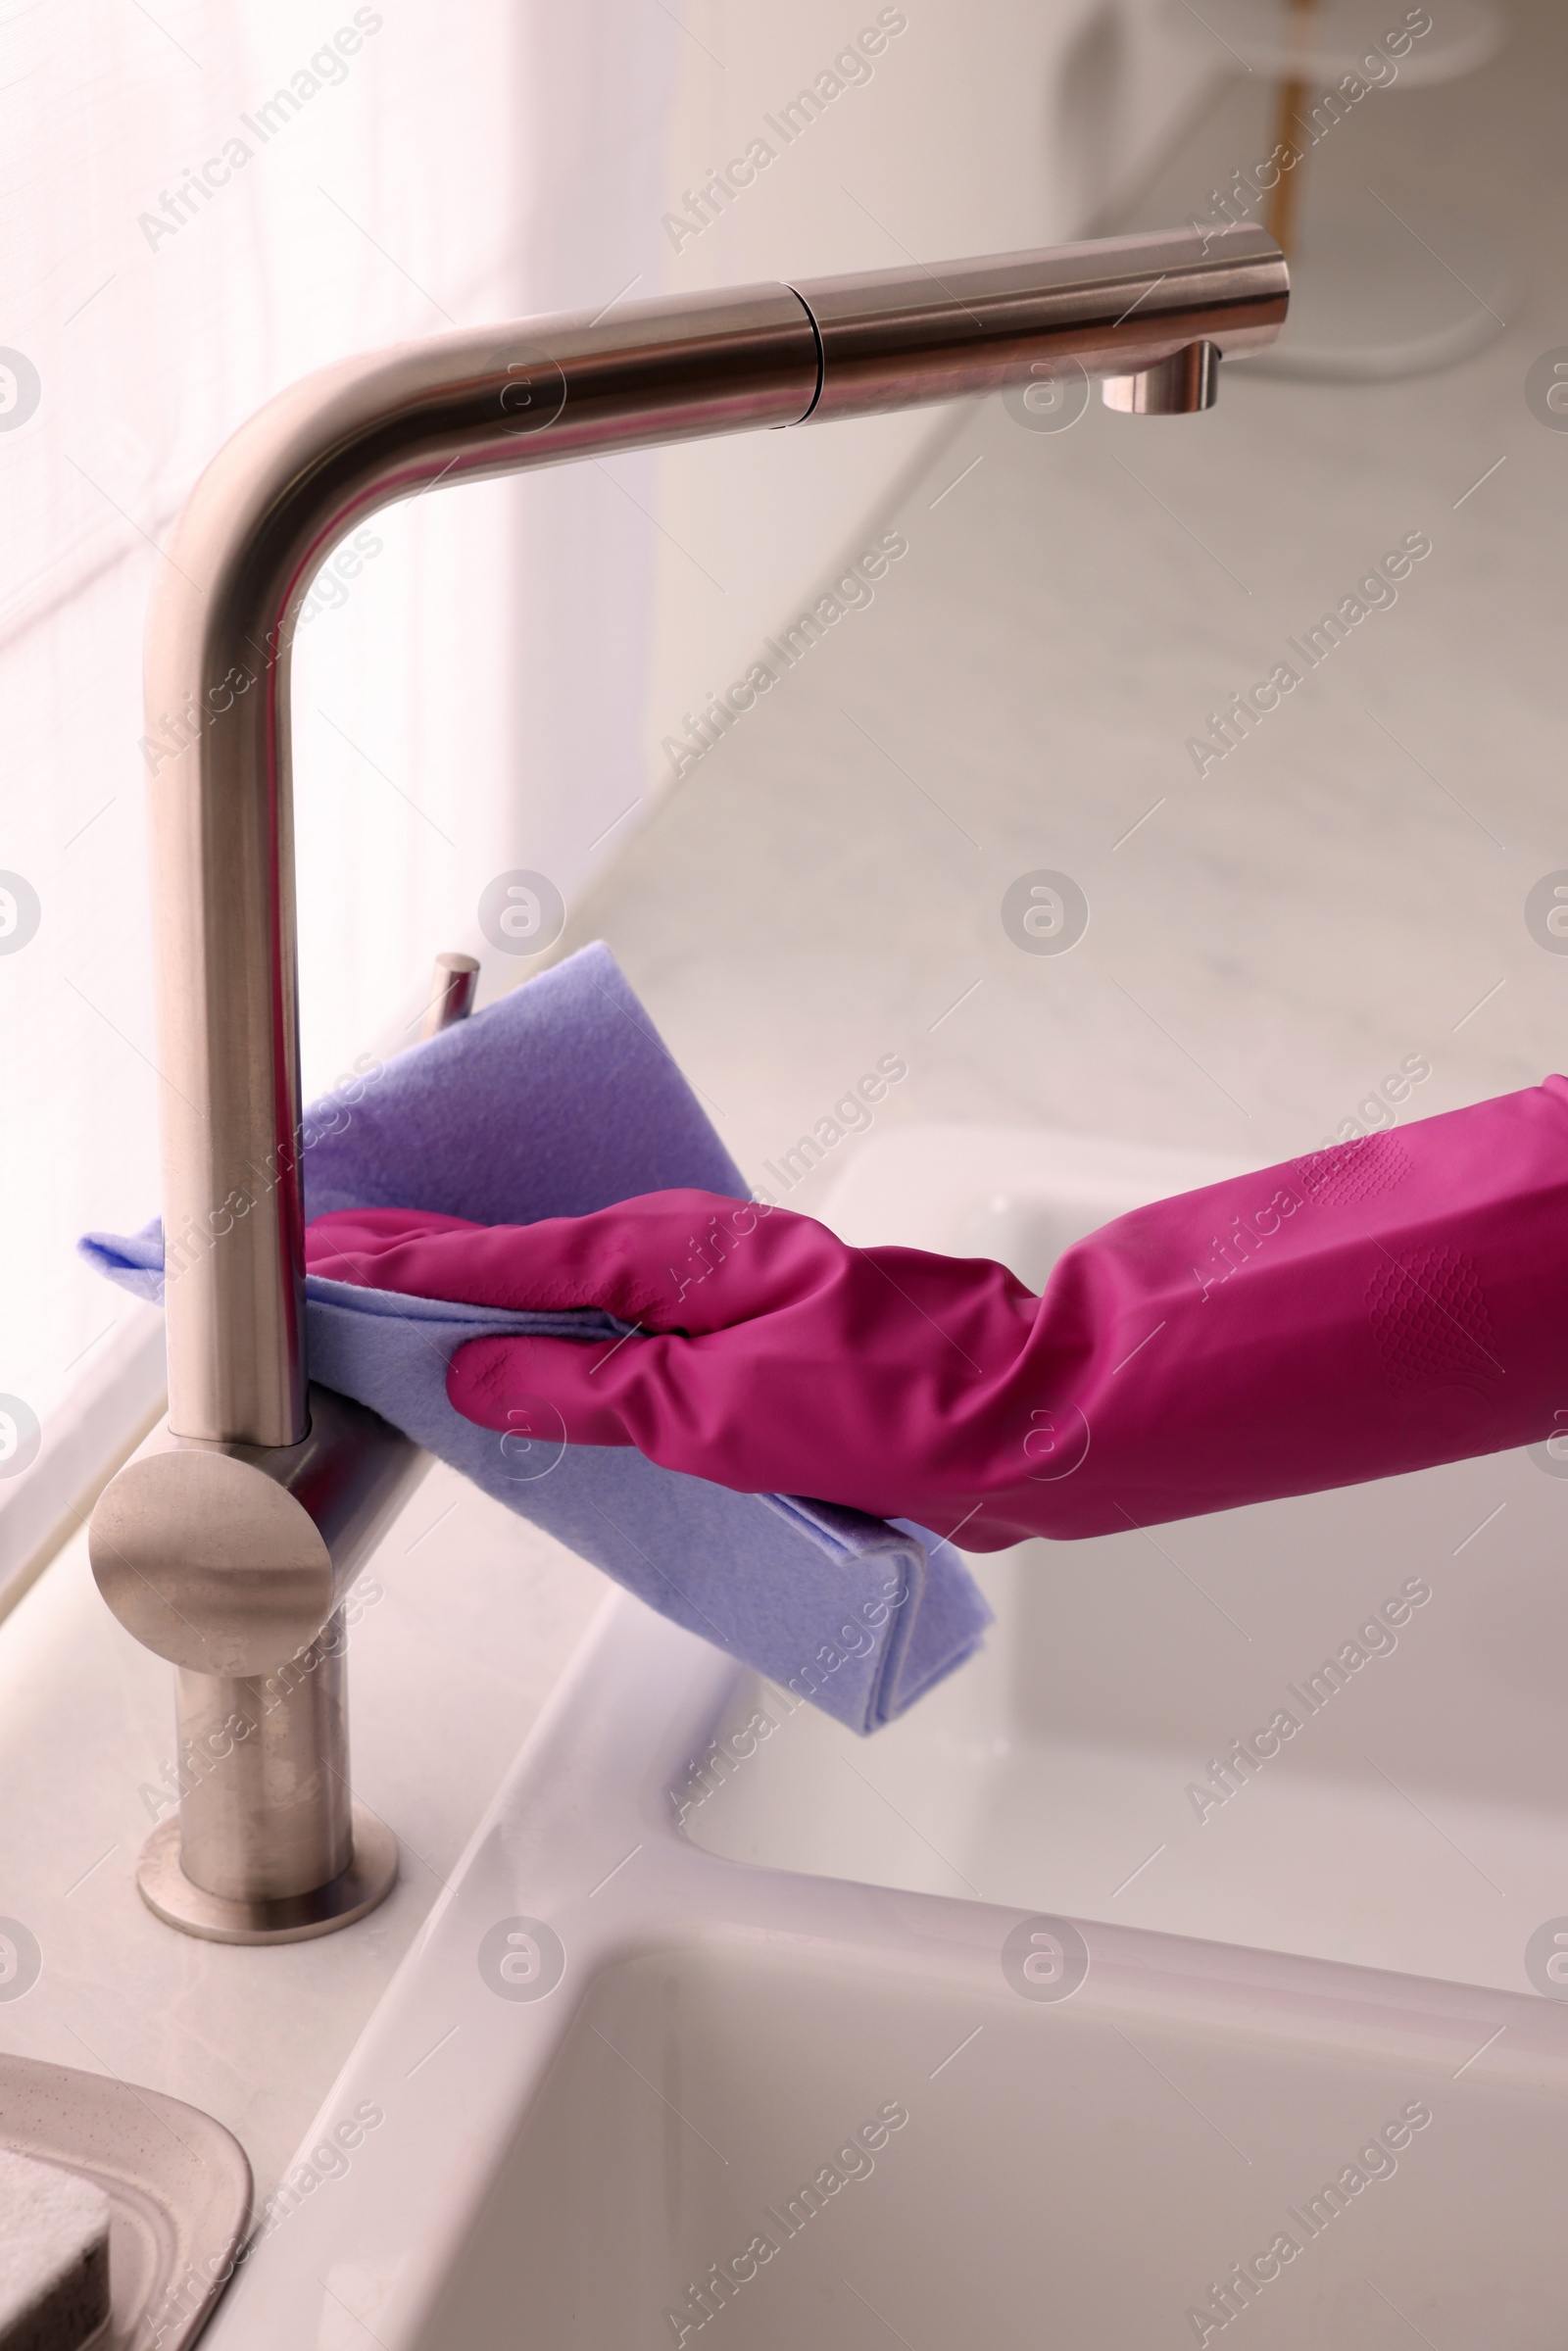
985 125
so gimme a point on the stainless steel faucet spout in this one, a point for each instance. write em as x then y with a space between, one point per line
1151 314
1114 307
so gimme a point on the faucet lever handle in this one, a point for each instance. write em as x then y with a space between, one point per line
453 987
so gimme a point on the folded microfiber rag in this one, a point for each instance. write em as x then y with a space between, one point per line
561 1098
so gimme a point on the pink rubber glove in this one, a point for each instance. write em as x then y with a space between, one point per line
1378 1307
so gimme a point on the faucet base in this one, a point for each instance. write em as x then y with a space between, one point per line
281 1918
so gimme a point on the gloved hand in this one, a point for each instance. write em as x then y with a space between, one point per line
1374 1308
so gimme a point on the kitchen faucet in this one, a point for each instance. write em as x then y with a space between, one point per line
228 1542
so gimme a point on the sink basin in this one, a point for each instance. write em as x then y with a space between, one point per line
697 2065
887 2132
982 2029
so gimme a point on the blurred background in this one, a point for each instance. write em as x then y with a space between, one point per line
203 198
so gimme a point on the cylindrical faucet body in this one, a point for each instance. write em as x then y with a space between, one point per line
270 1816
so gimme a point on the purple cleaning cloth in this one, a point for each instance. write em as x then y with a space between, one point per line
559 1098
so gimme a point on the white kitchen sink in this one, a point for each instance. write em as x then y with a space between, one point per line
976 2031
